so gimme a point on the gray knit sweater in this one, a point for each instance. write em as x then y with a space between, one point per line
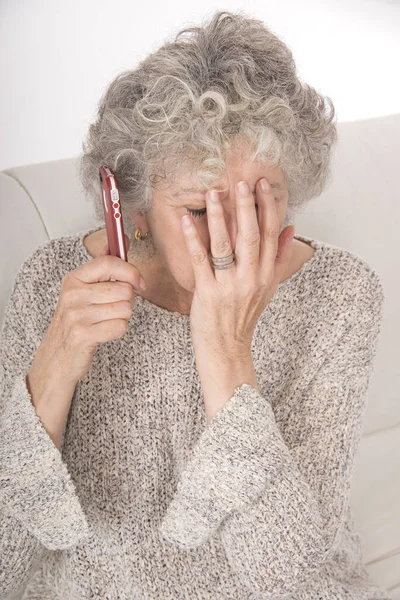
146 500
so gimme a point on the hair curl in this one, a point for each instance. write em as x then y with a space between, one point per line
180 109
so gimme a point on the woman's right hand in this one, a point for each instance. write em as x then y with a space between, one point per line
91 310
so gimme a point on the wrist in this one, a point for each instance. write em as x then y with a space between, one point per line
44 385
220 380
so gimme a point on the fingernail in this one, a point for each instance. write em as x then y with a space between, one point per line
186 222
142 283
264 185
243 188
214 196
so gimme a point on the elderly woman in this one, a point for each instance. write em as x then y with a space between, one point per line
207 447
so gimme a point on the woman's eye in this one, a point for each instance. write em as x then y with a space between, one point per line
202 211
197 213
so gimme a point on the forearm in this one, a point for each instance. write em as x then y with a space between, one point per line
51 396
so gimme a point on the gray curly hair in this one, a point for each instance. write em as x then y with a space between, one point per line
180 109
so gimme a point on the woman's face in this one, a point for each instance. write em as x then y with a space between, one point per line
171 266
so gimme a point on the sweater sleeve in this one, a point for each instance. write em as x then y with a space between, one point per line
39 507
280 507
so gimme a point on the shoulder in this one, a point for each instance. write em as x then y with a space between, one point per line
350 281
334 288
38 281
52 259
352 270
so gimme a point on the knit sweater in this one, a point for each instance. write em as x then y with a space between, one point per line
145 500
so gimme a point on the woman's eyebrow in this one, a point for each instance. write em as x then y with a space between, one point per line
275 185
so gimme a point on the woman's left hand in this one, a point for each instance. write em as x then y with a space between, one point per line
227 304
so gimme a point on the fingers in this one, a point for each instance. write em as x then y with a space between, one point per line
103 268
99 293
201 265
248 244
259 248
221 245
269 230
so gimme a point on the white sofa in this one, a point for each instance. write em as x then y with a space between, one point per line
359 211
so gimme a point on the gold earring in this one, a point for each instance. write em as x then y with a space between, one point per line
139 236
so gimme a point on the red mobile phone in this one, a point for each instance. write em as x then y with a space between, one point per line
112 212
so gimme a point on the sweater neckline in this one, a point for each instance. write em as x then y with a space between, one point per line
283 286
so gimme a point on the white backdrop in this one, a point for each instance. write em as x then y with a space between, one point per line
56 58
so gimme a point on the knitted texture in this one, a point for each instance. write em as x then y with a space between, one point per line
145 500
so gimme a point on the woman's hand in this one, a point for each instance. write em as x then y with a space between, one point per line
227 304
